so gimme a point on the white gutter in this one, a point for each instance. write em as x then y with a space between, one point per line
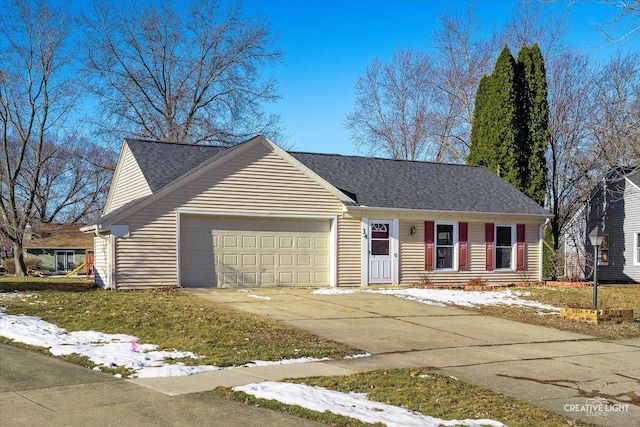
110 256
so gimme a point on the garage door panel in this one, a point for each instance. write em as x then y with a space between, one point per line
268 279
249 260
285 278
247 251
267 242
321 243
285 242
303 260
303 278
267 260
229 241
249 279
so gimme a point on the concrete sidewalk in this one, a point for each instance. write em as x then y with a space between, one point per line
560 371
37 390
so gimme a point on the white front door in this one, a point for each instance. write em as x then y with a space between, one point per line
380 253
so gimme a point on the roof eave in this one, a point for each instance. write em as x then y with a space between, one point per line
443 212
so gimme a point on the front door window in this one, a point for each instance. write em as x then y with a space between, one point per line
379 239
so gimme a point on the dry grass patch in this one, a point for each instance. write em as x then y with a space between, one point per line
418 390
609 296
171 320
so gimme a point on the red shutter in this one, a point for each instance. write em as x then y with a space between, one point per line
488 239
428 245
463 253
521 253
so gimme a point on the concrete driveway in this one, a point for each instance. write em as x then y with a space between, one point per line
561 371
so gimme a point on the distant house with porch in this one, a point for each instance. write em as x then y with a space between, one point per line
59 247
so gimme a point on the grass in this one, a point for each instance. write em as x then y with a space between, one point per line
222 336
417 390
609 296
225 337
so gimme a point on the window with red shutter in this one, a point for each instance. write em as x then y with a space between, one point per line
489 247
428 245
463 245
521 248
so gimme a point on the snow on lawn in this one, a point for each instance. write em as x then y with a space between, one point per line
112 350
443 297
354 405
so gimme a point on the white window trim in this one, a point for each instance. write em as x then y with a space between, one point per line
455 246
512 264
636 249
600 262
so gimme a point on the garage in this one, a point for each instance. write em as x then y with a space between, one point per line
229 251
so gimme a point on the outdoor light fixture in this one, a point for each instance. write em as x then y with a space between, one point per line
596 241
412 230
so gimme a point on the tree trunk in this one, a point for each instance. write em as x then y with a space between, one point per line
18 256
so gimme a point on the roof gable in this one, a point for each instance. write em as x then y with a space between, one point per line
634 177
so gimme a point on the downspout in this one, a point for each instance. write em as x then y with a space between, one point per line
541 250
110 256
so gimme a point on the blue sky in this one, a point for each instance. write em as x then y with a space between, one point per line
329 43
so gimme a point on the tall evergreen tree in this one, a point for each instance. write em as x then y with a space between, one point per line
535 118
510 133
494 132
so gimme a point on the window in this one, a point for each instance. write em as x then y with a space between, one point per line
504 247
445 245
65 260
379 239
637 258
603 256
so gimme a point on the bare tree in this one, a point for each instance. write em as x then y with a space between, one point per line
190 75
73 182
462 57
530 24
392 111
570 78
36 95
615 118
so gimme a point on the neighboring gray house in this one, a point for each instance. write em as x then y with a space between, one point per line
256 215
613 210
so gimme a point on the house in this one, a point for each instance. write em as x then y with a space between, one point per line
256 215
612 210
59 247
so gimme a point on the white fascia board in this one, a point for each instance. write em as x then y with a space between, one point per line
439 212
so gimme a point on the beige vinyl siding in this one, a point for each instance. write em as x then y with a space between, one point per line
349 252
129 183
258 181
412 257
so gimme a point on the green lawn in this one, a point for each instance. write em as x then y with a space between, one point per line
172 320
225 337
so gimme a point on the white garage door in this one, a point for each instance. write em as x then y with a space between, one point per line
245 251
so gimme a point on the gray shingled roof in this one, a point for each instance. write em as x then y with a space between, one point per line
163 162
371 182
419 185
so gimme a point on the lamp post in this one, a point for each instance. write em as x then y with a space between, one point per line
596 240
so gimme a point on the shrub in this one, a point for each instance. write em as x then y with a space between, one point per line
9 264
477 281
